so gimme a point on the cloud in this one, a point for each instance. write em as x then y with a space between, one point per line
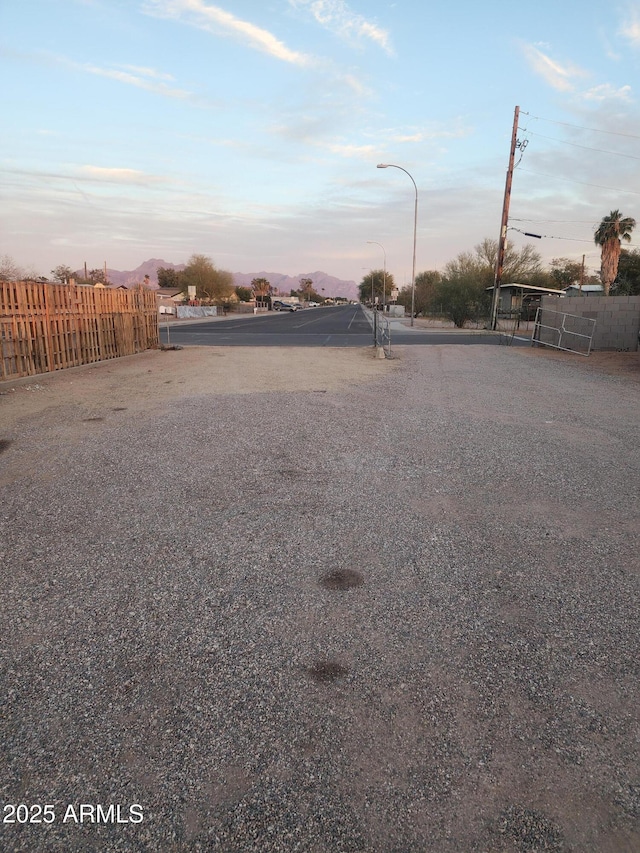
148 72
117 175
215 20
606 92
338 18
142 78
630 29
355 85
351 150
134 79
83 179
564 77
558 76
416 135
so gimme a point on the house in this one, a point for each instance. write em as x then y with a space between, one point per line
585 290
168 298
517 298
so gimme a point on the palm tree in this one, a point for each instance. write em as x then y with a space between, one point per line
261 289
609 233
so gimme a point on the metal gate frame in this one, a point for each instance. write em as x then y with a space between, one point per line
382 332
560 333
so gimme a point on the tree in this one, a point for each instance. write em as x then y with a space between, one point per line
307 292
628 279
426 285
244 294
62 274
522 266
565 272
261 290
306 289
378 283
211 284
95 276
608 236
462 292
9 270
169 278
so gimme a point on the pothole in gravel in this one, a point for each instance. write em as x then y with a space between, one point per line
326 671
530 830
4 444
341 579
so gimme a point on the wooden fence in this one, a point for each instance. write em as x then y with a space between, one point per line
46 327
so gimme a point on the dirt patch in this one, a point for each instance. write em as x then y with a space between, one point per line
625 364
150 379
342 579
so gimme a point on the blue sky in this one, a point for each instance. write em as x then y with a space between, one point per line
249 131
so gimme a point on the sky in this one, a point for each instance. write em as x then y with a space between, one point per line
250 130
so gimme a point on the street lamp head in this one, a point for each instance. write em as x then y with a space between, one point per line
382 166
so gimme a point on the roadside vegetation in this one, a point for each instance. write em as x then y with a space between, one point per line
461 291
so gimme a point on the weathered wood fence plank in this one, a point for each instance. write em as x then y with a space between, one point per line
46 327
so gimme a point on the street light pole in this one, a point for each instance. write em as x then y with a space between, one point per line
384 272
373 310
415 231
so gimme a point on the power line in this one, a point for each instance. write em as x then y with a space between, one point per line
580 127
551 236
582 183
583 147
555 237
562 221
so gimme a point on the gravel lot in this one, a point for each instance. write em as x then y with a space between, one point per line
308 600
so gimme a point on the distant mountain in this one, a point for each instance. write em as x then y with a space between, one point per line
324 284
129 278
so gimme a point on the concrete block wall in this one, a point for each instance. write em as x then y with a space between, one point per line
617 318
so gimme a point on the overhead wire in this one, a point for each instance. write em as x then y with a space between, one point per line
583 147
583 183
580 127
523 144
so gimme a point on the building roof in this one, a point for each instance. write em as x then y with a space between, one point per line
530 287
587 288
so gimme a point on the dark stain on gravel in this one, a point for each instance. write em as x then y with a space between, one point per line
342 579
119 409
91 420
4 444
531 831
325 671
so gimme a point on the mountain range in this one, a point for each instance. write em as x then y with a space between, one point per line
324 284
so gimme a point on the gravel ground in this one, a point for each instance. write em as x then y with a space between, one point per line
313 601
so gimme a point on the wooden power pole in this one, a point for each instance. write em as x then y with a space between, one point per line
502 242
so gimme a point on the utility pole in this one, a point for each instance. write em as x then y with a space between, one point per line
582 274
502 242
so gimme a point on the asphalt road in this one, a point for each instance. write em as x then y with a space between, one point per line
340 326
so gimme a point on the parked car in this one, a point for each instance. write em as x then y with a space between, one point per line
278 305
